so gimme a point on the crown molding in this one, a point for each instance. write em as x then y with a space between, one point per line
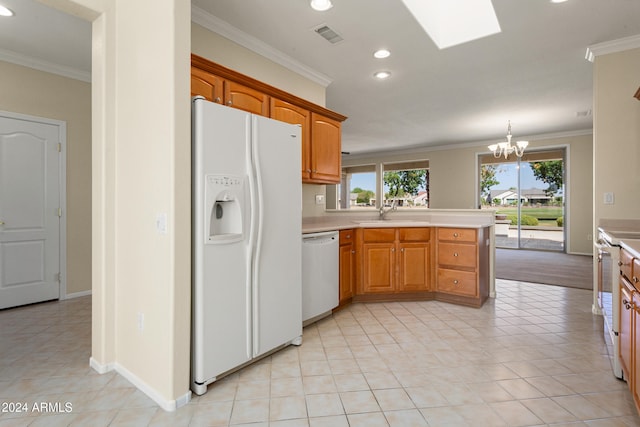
421 149
46 66
612 46
228 31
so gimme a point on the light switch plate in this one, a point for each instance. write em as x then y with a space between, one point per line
609 198
319 199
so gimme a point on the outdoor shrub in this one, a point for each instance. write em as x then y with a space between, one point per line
560 221
524 220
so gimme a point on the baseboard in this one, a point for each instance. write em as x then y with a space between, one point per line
99 367
167 405
78 294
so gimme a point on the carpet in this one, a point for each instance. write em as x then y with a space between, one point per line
551 268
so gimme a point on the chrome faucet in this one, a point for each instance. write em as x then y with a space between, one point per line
383 212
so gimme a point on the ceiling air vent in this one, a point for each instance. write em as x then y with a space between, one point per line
328 34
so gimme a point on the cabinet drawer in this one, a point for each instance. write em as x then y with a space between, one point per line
346 236
457 255
414 234
457 282
626 264
457 234
379 234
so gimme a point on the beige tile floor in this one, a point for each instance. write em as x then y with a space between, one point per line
534 356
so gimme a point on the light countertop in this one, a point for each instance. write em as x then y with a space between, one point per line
454 218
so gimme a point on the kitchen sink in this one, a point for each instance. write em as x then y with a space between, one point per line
393 223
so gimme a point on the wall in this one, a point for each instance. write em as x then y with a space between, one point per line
453 174
616 125
28 91
222 51
141 121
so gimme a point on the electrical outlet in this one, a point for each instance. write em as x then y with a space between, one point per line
319 199
140 322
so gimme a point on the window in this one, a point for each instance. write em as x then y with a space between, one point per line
357 189
406 184
403 184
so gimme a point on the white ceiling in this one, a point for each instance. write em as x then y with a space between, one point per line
533 73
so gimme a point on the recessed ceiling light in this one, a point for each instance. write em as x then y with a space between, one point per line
558 1
4 11
382 75
321 5
382 53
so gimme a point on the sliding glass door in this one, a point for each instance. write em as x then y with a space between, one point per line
528 195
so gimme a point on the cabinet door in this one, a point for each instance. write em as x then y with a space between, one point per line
325 149
289 113
245 98
207 85
413 267
347 270
635 377
378 267
625 335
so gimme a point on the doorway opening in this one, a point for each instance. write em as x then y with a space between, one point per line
529 195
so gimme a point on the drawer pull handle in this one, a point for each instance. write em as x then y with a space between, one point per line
619 263
455 254
635 279
626 304
348 236
455 234
455 281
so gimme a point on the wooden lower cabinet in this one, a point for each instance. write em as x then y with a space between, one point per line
416 263
626 333
629 333
347 266
462 265
394 261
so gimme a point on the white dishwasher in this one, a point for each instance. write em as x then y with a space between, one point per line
320 287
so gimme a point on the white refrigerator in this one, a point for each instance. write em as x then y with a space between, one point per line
246 228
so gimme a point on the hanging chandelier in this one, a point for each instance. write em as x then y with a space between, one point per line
505 148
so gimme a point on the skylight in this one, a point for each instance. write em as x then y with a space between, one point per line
453 22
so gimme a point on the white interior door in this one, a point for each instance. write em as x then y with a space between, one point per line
30 187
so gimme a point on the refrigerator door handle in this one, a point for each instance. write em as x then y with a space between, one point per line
257 209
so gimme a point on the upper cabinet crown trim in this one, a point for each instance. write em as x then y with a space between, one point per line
218 26
227 73
612 46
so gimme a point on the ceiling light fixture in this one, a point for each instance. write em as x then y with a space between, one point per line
5 11
321 5
558 1
381 54
382 75
505 148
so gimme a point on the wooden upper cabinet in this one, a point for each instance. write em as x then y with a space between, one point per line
206 84
321 128
246 98
289 113
325 149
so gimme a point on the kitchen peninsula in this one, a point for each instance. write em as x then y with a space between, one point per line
446 255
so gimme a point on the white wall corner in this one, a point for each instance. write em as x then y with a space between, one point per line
99 367
166 404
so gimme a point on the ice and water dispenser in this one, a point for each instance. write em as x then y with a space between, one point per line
224 206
